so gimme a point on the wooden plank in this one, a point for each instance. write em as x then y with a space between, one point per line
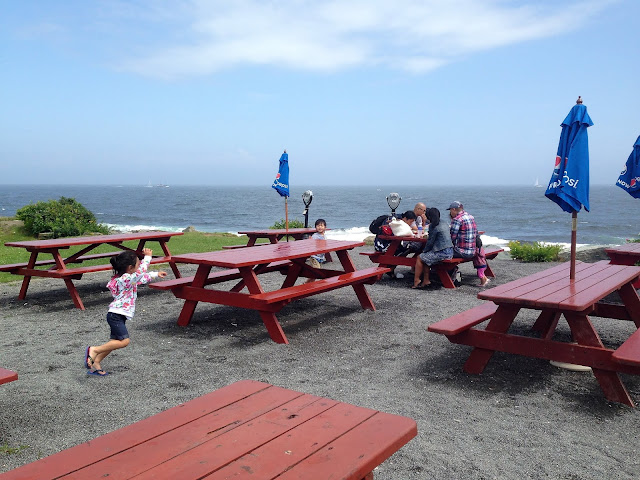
91 240
629 352
576 295
111 444
322 285
224 447
464 320
217 276
231 247
244 257
273 458
7 376
512 291
358 452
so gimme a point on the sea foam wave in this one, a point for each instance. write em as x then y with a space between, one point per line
143 228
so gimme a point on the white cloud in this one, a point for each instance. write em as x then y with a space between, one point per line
315 35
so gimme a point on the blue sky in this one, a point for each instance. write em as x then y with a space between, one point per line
364 92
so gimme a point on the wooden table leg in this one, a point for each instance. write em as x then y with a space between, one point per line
583 332
268 318
61 265
75 296
631 301
546 323
190 305
27 278
500 323
172 264
488 272
361 292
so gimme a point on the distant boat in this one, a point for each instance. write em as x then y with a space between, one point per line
162 185
537 184
148 185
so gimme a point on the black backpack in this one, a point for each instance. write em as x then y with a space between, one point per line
376 225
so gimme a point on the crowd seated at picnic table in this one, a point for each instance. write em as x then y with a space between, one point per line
462 240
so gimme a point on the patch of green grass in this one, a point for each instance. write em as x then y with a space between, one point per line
191 242
534 252
282 224
5 449
633 240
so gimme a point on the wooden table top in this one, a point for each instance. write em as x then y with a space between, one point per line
70 241
278 231
552 288
632 249
244 257
248 429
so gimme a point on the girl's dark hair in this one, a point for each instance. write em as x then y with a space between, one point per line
122 261
321 221
433 215
410 214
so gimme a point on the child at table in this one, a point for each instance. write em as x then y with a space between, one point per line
316 261
129 272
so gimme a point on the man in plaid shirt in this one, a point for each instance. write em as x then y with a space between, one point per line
463 232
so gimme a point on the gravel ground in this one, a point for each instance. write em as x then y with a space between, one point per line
521 418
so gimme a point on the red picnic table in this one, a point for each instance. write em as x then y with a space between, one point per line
390 259
56 267
246 264
247 429
554 294
627 254
275 235
7 376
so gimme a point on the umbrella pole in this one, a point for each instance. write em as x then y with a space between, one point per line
574 226
286 217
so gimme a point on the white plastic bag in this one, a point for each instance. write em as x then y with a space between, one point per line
400 228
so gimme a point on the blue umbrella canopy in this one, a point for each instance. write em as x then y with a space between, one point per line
281 183
629 179
569 184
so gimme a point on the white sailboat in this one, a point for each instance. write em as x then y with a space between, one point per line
537 184
148 185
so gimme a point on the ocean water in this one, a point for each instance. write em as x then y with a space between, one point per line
504 212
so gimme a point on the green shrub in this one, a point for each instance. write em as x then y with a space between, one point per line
633 240
63 218
535 252
292 224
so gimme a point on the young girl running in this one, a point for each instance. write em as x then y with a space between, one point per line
129 272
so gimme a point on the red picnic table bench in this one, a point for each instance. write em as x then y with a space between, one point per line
554 294
246 264
248 429
442 269
7 376
56 267
627 254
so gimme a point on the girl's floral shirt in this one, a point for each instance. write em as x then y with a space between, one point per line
125 288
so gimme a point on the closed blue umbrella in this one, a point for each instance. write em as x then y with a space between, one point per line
281 185
569 184
629 179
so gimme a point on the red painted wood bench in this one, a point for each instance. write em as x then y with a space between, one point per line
51 261
629 352
464 320
248 429
286 295
219 276
7 376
